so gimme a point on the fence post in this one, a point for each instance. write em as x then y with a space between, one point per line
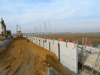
53 41
36 40
84 53
66 43
81 56
74 45
39 41
49 45
43 43
59 51
90 50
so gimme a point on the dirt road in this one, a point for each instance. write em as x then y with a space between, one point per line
26 58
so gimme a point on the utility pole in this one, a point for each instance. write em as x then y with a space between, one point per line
40 29
49 26
45 27
34 30
20 28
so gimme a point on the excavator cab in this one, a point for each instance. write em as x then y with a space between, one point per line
9 34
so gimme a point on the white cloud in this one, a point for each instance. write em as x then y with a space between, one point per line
60 13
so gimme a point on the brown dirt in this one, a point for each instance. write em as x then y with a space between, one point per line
26 58
93 37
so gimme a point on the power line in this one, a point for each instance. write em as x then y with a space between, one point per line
45 27
49 26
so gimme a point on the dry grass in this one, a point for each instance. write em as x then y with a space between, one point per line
93 37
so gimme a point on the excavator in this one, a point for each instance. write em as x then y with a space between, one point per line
5 34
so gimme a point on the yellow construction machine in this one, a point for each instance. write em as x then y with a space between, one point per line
19 34
4 32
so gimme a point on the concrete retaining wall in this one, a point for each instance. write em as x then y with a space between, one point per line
68 55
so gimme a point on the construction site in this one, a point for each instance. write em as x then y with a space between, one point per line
22 54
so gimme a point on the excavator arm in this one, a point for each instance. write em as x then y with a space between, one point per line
3 28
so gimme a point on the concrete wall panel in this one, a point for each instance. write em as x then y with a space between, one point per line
69 56
41 42
55 47
47 40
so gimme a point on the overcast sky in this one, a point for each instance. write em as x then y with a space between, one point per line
63 15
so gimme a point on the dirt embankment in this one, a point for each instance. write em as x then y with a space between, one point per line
26 58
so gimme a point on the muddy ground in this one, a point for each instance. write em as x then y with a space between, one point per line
26 58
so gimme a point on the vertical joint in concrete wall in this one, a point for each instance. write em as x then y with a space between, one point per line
59 51
85 42
53 41
39 41
43 43
49 45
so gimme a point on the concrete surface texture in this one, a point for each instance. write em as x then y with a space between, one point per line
93 62
88 51
89 58
68 54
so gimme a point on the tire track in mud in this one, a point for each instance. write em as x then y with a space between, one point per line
15 58
27 68
26 58
18 59
6 60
